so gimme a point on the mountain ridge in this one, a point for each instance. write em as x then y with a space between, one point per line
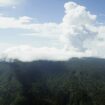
73 82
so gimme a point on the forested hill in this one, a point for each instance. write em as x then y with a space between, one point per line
73 82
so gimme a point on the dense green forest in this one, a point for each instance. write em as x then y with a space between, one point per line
73 82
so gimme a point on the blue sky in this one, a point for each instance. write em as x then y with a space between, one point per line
51 10
64 27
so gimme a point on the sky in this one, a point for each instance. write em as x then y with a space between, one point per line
52 29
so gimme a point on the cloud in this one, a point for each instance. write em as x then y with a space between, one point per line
9 2
11 22
4 46
25 22
78 34
29 53
77 25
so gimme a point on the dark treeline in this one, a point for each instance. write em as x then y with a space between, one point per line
73 82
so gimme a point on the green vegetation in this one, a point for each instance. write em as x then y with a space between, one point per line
73 82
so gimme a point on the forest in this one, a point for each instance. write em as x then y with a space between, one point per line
78 81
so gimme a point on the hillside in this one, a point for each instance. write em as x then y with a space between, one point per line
73 82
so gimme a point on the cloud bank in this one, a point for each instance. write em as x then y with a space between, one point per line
79 34
29 53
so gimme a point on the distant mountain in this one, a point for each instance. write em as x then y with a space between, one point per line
73 82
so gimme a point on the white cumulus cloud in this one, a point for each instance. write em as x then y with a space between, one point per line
78 33
77 26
